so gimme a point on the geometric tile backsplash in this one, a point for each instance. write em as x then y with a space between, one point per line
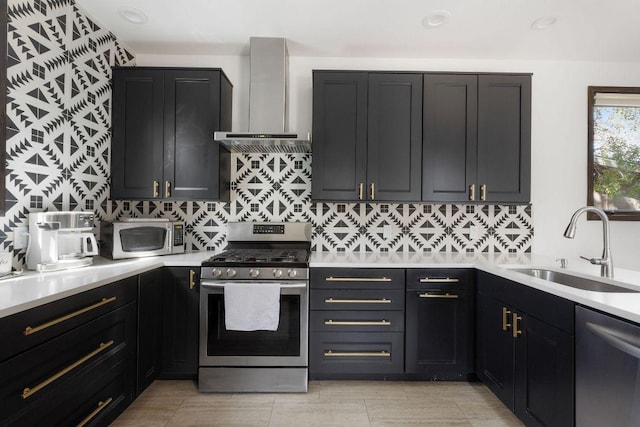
58 154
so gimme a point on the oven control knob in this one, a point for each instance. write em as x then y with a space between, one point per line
277 273
292 273
216 272
231 272
254 272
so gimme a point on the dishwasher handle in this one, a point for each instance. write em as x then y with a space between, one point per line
615 339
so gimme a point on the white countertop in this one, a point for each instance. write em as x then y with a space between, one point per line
34 289
624 305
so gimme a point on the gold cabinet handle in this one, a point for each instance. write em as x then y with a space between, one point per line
472 192
505 316
450 296
32 330
357 279
439 280
167 189
31 391
515 329
361 191
156 189
331 353
357 322
358 301
372 189
192 281
92 415
483 192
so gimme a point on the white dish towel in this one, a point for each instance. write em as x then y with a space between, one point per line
252 306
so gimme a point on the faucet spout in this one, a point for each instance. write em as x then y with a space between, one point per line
605 263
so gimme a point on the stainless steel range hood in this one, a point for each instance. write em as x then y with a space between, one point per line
268 118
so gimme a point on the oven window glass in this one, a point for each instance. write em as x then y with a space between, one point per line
283 342
140 239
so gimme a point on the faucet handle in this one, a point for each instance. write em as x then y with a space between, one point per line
563 262
594 261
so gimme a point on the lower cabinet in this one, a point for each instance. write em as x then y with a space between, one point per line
180 323
149 328
85 375
356 323
525 350
439 328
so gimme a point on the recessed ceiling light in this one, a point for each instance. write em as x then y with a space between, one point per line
544 22
132 15
436 19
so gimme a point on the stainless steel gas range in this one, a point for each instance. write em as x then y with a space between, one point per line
238 351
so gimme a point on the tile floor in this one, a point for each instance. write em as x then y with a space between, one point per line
328 403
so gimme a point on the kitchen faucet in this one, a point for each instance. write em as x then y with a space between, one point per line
605 263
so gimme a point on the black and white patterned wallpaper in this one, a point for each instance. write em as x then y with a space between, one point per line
58 151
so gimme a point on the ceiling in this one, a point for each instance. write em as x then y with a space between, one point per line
594 30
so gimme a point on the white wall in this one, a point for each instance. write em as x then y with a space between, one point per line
559 133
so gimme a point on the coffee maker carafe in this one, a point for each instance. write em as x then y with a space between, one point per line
60 240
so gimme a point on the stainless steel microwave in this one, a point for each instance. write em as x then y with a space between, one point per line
141 237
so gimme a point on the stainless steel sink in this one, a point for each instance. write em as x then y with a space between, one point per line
573 281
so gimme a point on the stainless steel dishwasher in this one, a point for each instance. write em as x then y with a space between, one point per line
607 370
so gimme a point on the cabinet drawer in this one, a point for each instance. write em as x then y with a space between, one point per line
356 353
54 370
31 327
370 299
357 278
440 279
357 321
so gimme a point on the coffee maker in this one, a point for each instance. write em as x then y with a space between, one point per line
60 240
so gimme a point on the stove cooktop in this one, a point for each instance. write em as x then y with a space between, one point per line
259 258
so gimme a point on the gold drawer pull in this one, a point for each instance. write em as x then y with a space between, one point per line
31 391
516 331
472 192
372 194
382 353
92 415
192 282
505 314
361 191
358 301
357 279
357 322
483 192
29 330
439 280
167 189
451 296
156 189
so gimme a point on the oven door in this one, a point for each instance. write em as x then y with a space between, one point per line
287 346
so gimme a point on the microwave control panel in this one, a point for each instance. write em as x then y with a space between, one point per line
178 234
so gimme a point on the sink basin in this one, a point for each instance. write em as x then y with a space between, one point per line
573 281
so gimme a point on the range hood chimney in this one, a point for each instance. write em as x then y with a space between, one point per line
268 118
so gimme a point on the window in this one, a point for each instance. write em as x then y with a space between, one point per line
614 151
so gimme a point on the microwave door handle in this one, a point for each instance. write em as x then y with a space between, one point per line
169 238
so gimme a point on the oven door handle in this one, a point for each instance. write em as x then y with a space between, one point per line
221 285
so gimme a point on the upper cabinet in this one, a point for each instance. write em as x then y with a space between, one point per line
366 136
163 124
477 138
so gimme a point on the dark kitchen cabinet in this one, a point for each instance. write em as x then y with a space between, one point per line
181 292
366 136
525 350
163 124
356 323
72 360
439 329
149 328
476 138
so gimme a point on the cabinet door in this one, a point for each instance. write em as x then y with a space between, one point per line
544 393
339 135
192 160
504 137
181 291
149 328
495 348
394 147
438 335
137 142
449 136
